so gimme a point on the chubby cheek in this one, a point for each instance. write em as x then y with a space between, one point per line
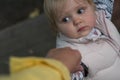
62 28
67 30
91 21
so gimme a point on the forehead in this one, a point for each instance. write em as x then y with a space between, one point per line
64 3
68 5
74 3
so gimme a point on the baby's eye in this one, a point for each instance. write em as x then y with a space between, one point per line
80 11
66 19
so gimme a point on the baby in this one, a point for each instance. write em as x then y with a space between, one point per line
78 25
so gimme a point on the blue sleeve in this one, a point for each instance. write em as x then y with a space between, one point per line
106 5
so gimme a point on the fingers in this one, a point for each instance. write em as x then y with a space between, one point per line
69 57
78 68
63 50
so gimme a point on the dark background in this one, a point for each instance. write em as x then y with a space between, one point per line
20 35
13 11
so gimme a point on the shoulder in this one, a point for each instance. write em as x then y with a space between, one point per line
106 5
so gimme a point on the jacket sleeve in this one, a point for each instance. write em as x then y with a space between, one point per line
33 68
109 29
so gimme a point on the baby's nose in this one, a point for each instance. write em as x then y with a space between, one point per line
77 21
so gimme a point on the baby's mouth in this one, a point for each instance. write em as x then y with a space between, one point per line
81 29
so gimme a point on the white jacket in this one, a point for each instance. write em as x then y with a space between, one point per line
102 56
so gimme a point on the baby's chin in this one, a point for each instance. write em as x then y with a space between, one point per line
79 35
83 35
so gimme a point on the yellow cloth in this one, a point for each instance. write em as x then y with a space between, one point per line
33 68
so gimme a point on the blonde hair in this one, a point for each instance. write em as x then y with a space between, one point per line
53 7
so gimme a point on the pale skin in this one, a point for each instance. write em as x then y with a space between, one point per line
77 19
69 57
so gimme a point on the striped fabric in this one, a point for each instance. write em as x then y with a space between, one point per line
106 5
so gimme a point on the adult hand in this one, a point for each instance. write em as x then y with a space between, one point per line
69 57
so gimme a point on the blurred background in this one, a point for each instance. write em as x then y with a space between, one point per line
24 31
13 11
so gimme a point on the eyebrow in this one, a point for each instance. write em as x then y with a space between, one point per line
75 8
80 4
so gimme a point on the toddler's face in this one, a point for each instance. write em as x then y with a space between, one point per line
76 19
